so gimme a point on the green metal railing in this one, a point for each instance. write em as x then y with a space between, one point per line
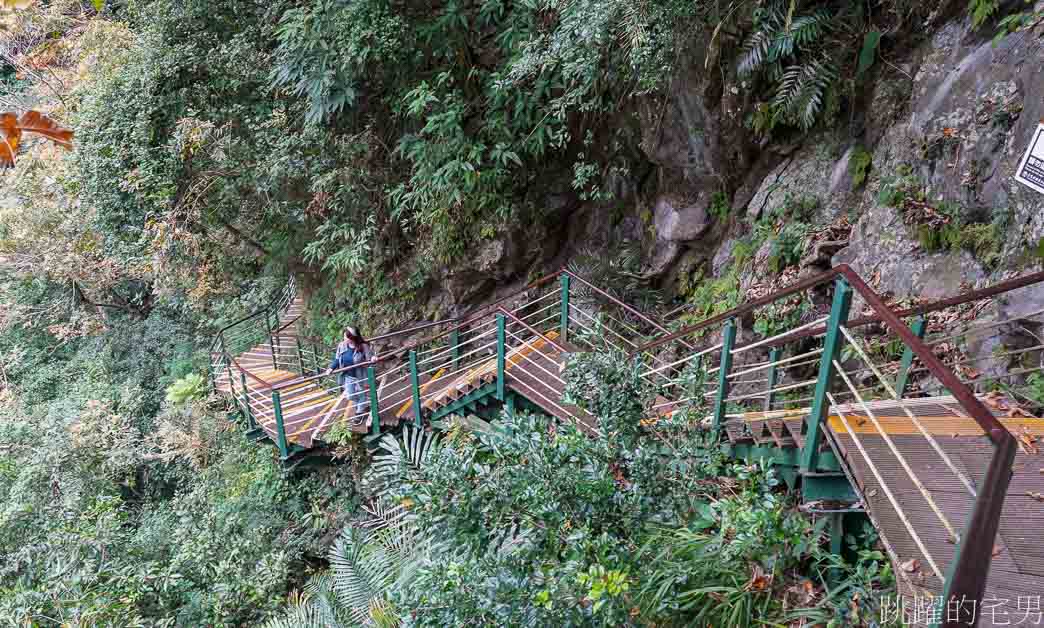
809 374
820 342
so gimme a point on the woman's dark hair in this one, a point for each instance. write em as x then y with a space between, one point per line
354 334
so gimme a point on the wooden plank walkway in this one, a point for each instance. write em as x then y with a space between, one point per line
1017 569
312 407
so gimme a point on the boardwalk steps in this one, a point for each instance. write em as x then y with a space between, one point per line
951 480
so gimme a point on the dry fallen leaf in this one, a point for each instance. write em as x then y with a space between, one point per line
911 565
997 549
759 580
1027 442
12 127
995 400
968 372
1037 496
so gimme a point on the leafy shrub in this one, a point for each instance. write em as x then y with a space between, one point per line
327 47
720 206
859 166
981 10
192 387
609 386
947 226
783 48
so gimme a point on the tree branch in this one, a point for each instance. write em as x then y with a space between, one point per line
245 239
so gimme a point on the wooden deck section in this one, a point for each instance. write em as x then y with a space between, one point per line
1017 569
533 370
313 406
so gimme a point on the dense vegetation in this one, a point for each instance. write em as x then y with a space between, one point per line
528 523
371 146
379 141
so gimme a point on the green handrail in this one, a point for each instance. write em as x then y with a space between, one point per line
375 414
563 332
902 377
728 340
831 351
500 357
284 450
415 385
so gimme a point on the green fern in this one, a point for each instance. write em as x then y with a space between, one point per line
372 557
192 387
783 52
803 89
401 456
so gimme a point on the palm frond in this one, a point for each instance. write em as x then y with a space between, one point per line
780 50
803 89
400 456
804 31
314 607
384 515
754 52
361 572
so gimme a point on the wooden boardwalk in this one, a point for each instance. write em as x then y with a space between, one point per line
915 468
1016 574
1017 569
312 405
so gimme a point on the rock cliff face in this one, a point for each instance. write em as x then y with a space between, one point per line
948 120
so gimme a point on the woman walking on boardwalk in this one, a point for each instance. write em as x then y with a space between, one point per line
351 351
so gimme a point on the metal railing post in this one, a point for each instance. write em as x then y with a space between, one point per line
277 405
831 351
563 332
902 378
246 401
500 357
415 386
770 397
228 367
271 341
276 339
454 340
375 415
300 356
728 339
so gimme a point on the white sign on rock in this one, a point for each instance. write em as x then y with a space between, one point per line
1031 169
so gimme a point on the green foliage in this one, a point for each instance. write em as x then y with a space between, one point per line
786 227
619 275
710 297
859 166
780 316
981 10
609 386
327 47
192 387
720 206
947 226
867 53
783 48
1034 388
1016 22
121 510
